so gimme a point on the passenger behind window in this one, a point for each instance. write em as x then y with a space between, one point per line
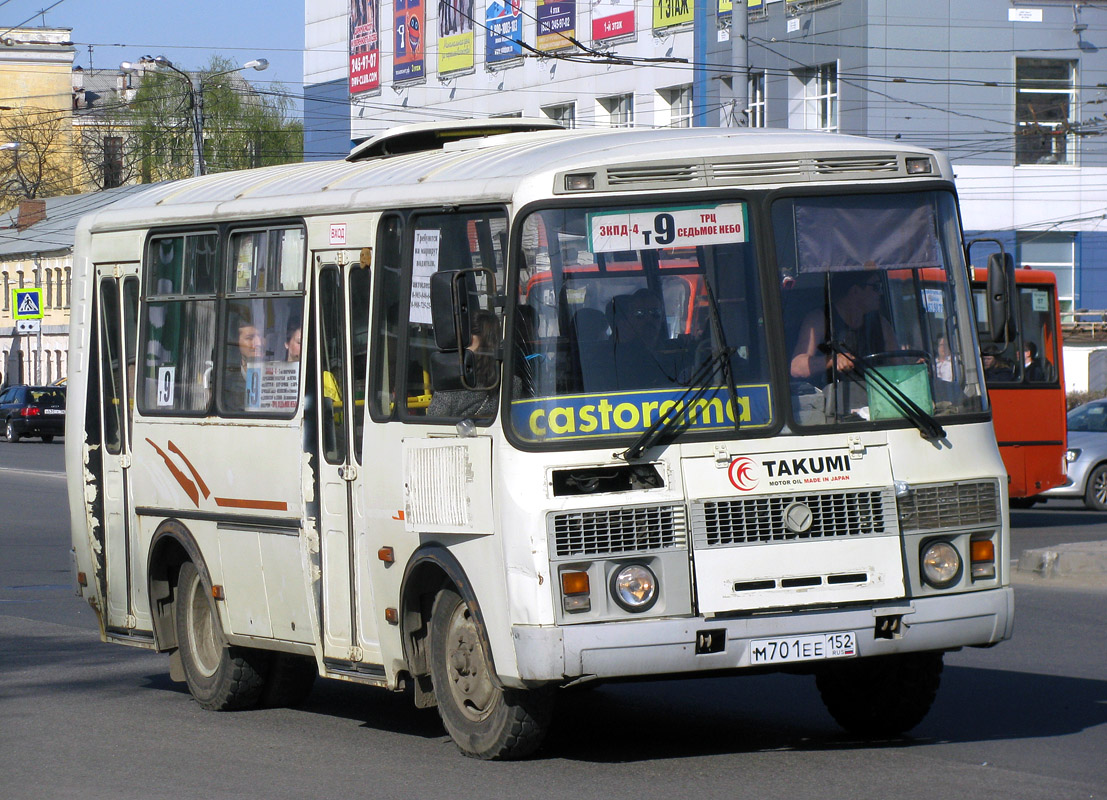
451 399
1032 369
250 347
292 339
996 368
644 355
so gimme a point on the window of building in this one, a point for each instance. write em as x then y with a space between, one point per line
1055 252
815 98
7 289
564 115
1045 99
757 106
679 102
113 161
619 110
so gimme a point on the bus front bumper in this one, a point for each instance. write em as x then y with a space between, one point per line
673 646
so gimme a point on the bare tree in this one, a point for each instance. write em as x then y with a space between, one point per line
40 159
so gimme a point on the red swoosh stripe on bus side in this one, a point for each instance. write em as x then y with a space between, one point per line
182 479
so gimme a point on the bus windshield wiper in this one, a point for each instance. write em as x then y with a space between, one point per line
929 427
678 413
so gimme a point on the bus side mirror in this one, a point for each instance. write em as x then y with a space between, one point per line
1001 297
452 307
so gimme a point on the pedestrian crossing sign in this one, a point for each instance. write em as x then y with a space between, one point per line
27 304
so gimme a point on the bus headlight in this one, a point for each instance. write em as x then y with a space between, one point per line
634 588
941 564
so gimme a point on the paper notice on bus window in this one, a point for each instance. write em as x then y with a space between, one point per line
280 386
661 228
1039 301
424 264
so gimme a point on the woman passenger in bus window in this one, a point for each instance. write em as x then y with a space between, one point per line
250 347
292 339
474 403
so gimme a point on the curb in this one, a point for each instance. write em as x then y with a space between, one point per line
1065 560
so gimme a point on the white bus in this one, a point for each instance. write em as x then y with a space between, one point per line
487 411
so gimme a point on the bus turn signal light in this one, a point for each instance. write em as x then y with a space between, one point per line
983 557
575 591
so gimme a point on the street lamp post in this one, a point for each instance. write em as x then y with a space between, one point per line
195 99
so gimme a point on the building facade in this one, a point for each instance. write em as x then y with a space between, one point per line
1015 92
36 251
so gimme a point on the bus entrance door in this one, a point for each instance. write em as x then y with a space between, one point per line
117 313
341 300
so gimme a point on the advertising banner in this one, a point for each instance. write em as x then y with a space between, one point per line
557 24
612 19
503 20
365 75
724 12
456 39
667 13
408 61
594 416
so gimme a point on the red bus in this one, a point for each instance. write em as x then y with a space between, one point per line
1026 385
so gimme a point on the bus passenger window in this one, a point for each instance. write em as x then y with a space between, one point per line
178 328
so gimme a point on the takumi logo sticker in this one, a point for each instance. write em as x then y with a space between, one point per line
742 475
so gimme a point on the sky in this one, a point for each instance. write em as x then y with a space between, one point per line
187 32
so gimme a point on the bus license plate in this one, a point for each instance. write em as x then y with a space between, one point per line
803 648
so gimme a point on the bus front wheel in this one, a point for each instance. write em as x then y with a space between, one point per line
219 676
880 696
485 721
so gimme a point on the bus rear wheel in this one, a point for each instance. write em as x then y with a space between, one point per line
881 696
485 721
219 676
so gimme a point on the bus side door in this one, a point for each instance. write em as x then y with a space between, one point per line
117 315
341 308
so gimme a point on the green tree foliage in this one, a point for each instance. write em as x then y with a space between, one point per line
243 127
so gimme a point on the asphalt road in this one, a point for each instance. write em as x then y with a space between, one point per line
1026 719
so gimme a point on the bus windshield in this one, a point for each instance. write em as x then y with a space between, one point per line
620 310
872 289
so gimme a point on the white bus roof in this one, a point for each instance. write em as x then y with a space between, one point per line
499 168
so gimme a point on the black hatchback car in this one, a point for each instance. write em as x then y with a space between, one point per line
32 411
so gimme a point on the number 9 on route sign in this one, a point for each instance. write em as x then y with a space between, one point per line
658 228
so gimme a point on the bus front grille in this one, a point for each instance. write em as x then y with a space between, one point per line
767 519
608 531
950 505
